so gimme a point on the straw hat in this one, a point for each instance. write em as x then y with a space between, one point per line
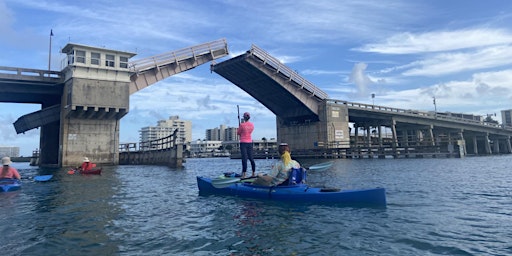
6 160
86 159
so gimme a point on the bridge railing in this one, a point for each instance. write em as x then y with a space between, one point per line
27 73
165 143
417 113
176 56
287 72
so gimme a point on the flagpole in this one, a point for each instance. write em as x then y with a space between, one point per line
50 52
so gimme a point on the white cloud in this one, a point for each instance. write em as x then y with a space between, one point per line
439 41
360 78
448 63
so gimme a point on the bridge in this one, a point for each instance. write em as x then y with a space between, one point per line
83 103
310 121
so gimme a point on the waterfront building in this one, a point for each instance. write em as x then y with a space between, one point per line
9 151
221 133
207 148
165 128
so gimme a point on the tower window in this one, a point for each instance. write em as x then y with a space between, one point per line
110 61
95 58
80 56
123 62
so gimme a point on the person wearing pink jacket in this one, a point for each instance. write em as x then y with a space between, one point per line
7 171
245 131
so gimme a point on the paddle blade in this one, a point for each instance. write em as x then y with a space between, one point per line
71 171
224 182
43 178
321 167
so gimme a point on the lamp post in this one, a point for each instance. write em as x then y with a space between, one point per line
373 101
435 107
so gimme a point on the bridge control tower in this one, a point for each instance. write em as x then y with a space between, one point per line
95 97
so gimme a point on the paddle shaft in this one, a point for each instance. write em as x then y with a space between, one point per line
238 109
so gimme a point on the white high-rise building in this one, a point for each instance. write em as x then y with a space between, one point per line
9 151
165 128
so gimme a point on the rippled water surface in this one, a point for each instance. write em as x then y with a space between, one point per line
435 207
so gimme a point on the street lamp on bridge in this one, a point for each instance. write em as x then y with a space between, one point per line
435 107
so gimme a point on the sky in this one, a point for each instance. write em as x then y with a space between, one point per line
404 52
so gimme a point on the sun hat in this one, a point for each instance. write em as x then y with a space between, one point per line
6 160
86 159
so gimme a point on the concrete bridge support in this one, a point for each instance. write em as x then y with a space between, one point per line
332 131
90 117
95 98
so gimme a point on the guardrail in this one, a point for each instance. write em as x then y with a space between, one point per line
417 113
287 72
21 73
176 56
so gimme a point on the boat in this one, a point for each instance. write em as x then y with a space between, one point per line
375 197
7 185
93 171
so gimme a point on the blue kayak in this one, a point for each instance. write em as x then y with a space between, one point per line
296 193
7 185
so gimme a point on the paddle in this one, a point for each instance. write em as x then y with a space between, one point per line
226 182
40 178
43 178
238 108
321 167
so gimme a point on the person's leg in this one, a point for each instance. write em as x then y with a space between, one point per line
263 181
251 158
243 152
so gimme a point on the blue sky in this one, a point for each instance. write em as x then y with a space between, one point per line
405 52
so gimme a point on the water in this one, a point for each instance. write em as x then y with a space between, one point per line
435 207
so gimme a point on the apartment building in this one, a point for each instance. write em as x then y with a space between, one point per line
165 128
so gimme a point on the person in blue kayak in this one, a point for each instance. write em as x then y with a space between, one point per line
8 172
245 130
280 171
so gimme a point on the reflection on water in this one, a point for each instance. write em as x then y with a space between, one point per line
435 206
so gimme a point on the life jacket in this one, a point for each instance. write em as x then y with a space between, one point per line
297 176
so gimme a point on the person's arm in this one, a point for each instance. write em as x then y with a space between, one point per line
239 131
16 174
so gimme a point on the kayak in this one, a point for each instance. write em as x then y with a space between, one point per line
296 193
7 185
96 171
93 171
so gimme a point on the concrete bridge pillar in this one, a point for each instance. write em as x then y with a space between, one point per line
95 98
475 145
394 143
496 145
487 144
330 131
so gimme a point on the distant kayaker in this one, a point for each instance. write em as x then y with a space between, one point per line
281 170
86 165
245 130
8 172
